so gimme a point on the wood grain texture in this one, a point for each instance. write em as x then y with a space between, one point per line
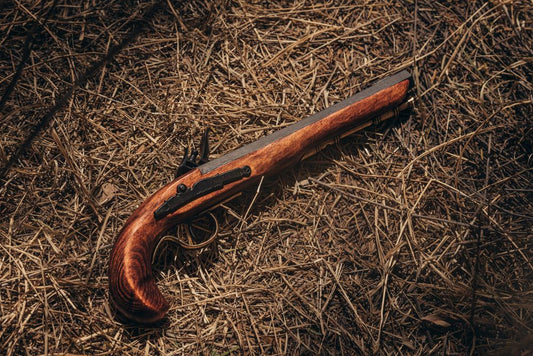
132 287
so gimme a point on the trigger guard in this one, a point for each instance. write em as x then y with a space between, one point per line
191 235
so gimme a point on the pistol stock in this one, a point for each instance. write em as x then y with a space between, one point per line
132 287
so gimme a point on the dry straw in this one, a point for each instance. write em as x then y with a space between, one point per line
413 237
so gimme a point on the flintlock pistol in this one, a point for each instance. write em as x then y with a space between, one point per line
203 185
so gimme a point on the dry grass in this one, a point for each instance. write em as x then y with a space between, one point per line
410 238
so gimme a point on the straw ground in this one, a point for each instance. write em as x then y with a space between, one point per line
413 237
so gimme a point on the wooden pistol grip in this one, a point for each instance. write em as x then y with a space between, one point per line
132 287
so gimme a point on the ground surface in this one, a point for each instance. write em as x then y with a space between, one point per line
413 237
